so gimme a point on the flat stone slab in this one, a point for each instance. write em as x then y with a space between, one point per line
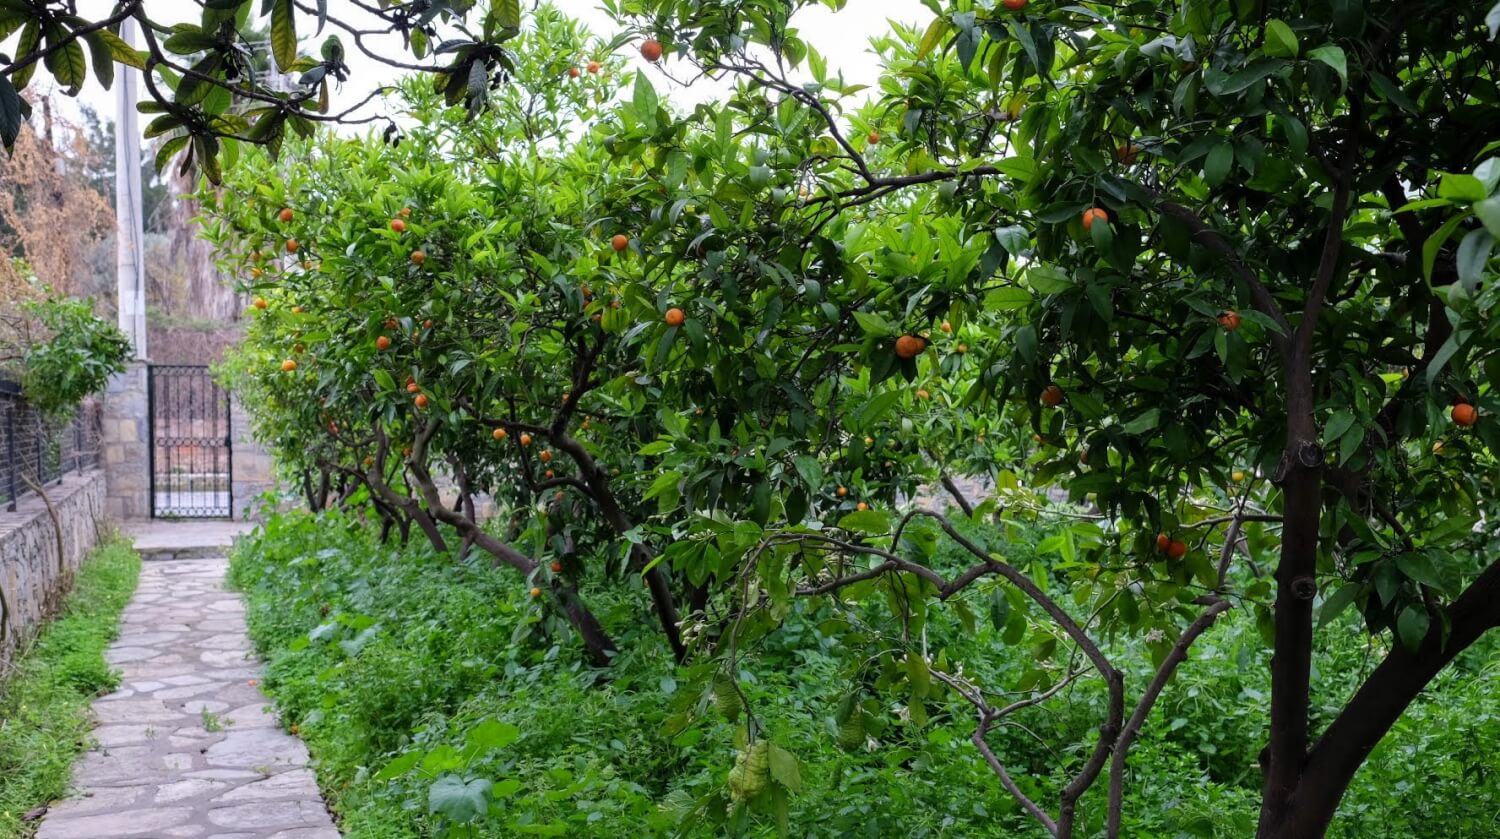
157 539
188 746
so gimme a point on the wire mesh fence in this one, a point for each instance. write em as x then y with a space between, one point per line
36 451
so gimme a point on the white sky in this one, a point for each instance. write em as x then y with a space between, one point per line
842 37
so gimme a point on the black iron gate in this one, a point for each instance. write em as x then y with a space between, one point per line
191 452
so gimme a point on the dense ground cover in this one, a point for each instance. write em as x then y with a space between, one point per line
401 667
44 699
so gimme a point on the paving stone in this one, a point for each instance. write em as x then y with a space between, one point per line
188 746
118 823
279 814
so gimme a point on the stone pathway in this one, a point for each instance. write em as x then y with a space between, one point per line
188 746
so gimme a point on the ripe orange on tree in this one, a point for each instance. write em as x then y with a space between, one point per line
525 439
421 400
1052 396
1091 215
946 326
651 50
1177 549
909 346
291 246
286 214
1127 153
288 366
412 387
861 506
922 393
593 67
1163 541
398 225
556 566
382 343
1465 414
546 456
573 73
548 474
418 257
1015 5
620 242
499 434
873 138
675 317
405 212
841 491
963 348
1230 320
427 324
391 323
536 592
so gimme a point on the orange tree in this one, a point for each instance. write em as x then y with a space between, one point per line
1232 252
484 309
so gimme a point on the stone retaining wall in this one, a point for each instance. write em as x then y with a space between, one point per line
29 578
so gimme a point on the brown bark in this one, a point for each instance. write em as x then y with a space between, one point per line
1376 706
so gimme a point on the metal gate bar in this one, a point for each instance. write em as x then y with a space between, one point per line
192 455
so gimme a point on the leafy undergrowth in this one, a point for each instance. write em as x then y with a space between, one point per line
44 700
427 697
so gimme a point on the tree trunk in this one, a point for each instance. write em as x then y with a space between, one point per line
1300 475
1375 707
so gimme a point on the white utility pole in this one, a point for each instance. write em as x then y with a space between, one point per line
130 234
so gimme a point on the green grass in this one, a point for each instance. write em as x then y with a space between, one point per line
44 721
380 654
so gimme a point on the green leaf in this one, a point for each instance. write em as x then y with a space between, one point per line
644 99
784 769
1441 358
1419 567
1412 626
1458 187
936 31
68 63
1013 238
493 734
104 64
1216 166
1473 255
1008 297
283 34
1280 40
999 608
1434 244
1340 601
508 16
1145 422
1337 424
869 522
460 801
119 50
1333 56
169 149
398 767
10 113
384 379
26 45
1488 212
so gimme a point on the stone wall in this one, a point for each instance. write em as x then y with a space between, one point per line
253 473
29 578
126 443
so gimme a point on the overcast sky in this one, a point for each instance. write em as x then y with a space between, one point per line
842 37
